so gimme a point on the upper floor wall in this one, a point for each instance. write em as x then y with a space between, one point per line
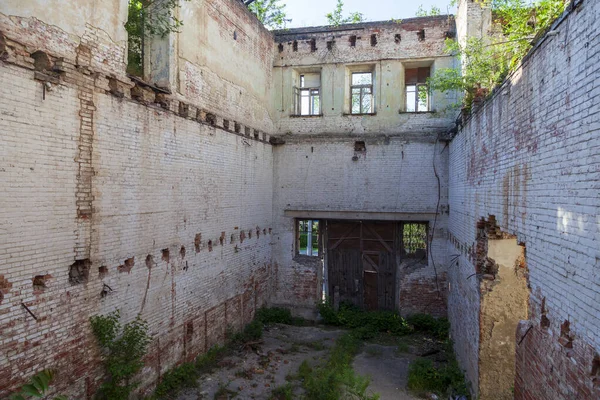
220 60
366 78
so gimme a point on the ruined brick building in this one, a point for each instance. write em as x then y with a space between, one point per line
249 168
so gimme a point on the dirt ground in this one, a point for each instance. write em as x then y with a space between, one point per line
255 371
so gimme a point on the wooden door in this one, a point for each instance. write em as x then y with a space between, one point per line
362 263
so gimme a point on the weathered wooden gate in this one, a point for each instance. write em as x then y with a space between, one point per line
361 261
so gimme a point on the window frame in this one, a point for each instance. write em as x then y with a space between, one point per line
426 241
314 96
310 238
362 88
417 99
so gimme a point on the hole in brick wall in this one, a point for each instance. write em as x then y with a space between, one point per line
421 35
234 35
102 271
242 236
197 241
544 321
226 124
39 282
264 231
360 146
184 109
232 238
249 234
397 38
165 255
189 328
199 115
211 119
280 47
313 45
210 245
270 230
596 368
149 261
222 238
295 45
79 271
449 35
127 265
5 285
41 61
565 339
257 233
352 41
373 40
182 251
237 127
330 44
256 135
247 131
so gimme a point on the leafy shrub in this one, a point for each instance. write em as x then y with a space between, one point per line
37 387
366 324
183 376
438 327
123 349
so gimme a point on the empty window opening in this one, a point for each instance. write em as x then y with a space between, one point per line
308 236
352 41
135 37
361 93
313 45
417 91
421 35
295 45
307 95
397 38
414 239
373 40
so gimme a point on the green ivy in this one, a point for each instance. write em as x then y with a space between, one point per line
123 348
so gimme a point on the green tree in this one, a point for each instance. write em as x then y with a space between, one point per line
422 12
485 63
270 12
336 17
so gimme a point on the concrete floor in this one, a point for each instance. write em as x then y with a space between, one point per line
254 373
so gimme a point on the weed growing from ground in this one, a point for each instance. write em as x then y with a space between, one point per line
447 379
336 378
284 392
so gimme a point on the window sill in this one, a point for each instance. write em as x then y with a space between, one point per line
306 116
359 115
416 112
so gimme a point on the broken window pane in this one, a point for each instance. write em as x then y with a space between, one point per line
308 237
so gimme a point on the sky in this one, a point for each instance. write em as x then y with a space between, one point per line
312 12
